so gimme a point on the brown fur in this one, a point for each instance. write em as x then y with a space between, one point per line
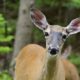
30 65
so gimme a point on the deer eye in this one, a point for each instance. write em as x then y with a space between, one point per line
46 34
64 36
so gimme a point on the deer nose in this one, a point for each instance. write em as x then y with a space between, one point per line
53 51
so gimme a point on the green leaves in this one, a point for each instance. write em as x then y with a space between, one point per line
6 39
2 20
46 2
57 3
76 3
5 50
75 59
5 76
38 35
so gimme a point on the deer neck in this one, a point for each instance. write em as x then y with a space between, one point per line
50 67
53 68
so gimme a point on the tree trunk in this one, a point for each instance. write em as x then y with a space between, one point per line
23 29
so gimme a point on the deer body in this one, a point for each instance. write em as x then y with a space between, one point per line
36 63
35 66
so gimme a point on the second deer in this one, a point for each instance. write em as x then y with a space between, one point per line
36 63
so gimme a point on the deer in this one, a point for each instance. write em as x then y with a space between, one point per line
37 63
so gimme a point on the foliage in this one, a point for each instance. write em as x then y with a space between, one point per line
6 39
73 4
5 76
10 26
76 3
38 35
2 20
2 30
12 8
57 3
75 59
5 50
11 5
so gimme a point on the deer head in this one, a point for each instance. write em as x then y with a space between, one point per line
55 35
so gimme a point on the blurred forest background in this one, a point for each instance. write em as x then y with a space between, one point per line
16 29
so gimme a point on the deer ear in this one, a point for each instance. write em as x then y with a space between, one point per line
74 26
39 19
